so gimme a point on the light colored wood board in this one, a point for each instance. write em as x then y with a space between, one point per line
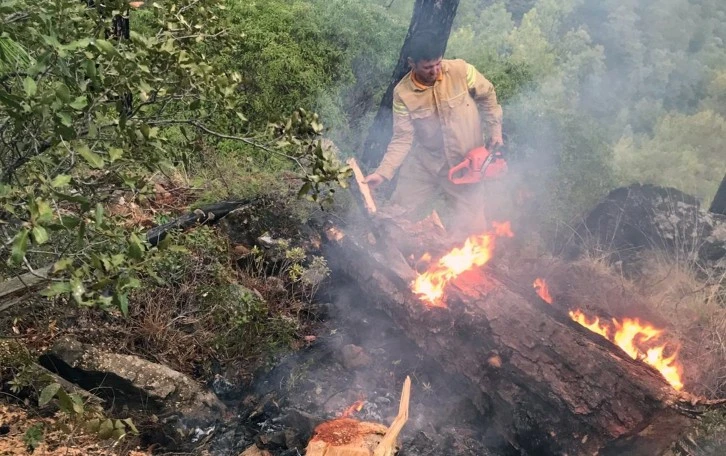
364 189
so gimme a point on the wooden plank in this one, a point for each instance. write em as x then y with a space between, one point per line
363 190
22 283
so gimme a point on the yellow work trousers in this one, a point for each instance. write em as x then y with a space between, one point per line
418 187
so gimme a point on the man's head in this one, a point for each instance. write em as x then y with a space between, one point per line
424 56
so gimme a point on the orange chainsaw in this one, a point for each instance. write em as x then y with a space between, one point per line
479 164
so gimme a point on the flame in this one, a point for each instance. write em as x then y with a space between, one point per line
356 407
476 251
594 326
632 332
542 290
631 335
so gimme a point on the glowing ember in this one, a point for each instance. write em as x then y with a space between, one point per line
631 335
476 251
356 407
542 290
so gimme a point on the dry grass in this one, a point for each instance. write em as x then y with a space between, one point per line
55 440
695 307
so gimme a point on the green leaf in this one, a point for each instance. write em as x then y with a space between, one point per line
136 248
62 265
93 159
57 289
92 425
79 103
131 426
91 69
20 246
40 235
99 214
77 403
30 87
77 289
48 393
104 46
65 118
60 180
115 153
63 93
106 429
64 401
122 301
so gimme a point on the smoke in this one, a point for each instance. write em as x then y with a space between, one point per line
603 93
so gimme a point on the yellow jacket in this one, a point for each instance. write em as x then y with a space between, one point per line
441 122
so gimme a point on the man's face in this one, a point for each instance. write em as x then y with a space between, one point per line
426 71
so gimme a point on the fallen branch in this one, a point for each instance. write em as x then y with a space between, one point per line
205 215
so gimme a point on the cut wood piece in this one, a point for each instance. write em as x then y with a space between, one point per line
550 385
345 437
362 190
387 447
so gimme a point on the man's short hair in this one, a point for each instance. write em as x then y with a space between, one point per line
425 45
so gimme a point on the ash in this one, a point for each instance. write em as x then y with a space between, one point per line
358 355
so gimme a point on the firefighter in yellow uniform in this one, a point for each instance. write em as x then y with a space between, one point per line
436 122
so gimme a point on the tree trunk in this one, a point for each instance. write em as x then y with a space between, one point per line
552 386
718 206
434 15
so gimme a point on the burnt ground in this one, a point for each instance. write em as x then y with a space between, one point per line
358 355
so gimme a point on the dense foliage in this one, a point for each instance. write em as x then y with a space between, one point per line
89 110
606 92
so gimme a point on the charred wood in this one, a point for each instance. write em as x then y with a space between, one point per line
205 215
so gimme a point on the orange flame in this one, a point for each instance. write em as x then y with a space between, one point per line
632 336
593 326
476 251
356 407
542 290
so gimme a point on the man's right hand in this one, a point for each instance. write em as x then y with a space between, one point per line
374 180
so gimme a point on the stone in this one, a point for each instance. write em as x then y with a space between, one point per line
647 217
354 357
136 382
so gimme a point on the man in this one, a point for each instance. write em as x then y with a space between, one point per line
436 122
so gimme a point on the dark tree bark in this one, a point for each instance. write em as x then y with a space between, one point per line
434 15
718 206
551 386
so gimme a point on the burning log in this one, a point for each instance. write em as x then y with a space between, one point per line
551 385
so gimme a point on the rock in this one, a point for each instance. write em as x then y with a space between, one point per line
638 217
354 357
136 382
222 387
274 440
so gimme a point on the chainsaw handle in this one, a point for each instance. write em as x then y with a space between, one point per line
461 166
